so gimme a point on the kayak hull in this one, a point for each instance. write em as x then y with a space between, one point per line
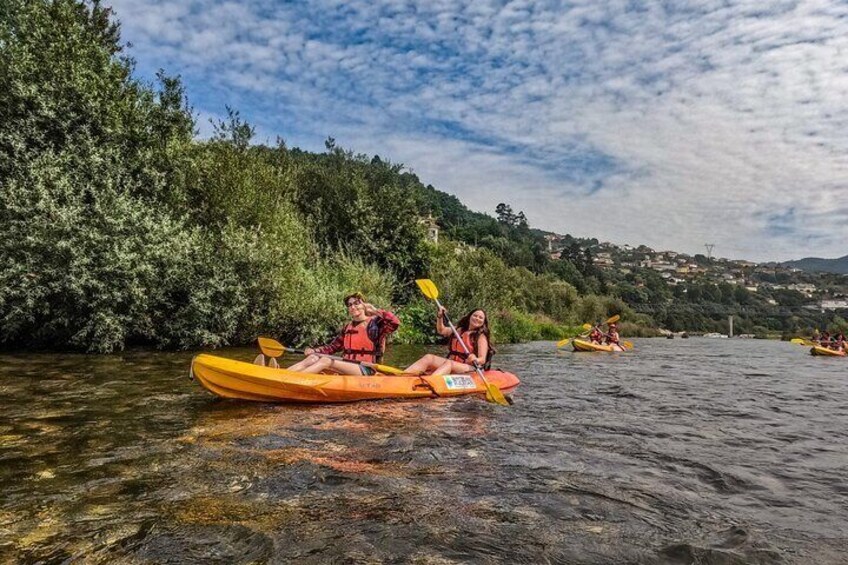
229 378
581 345
826 352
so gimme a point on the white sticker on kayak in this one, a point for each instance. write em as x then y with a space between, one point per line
459 382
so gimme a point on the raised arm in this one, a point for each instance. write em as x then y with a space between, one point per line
482 352
441 328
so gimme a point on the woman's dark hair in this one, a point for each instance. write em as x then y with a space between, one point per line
463 324
356 295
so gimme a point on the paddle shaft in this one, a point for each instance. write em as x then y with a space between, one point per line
462 343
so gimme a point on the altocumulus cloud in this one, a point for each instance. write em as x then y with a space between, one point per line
666 123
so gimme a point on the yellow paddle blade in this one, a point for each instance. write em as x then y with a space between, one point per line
802 341
494 394
627 344
428 288
271 347
613 320
587 327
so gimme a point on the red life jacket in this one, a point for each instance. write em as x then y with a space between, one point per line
613 338
456 353
357 346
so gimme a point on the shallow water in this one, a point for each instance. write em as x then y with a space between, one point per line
683 451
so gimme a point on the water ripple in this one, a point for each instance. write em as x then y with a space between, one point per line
691 451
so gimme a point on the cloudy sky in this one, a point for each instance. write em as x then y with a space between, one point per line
670 123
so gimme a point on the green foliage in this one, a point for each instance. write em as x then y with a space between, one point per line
118 227
512 326
838 325
417 323
361 207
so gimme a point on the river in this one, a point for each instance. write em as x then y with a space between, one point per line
682 451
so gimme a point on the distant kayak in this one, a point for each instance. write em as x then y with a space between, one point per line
826 352
581 345
229 378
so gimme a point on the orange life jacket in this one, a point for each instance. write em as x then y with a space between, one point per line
357 346
456 353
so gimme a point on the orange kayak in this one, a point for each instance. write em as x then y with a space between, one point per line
825 351
581 345
229 378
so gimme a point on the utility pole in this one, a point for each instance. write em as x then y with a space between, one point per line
709 247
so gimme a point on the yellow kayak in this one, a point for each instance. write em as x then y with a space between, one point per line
581 345
826 351
229 378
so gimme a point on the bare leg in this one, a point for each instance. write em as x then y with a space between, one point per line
260 360
320 365
301 366
452 368
326 364
425 364
346 368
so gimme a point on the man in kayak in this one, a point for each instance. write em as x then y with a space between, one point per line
473 328
839 342
612 337
362 339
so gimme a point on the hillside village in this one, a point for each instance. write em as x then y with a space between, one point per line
818 291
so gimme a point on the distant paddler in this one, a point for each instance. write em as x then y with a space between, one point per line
612 337
596 335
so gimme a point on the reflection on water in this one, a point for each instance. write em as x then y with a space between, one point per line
698 451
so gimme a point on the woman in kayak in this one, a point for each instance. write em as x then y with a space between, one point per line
596 336
473 328
362 339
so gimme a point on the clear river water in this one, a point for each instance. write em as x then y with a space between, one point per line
700 451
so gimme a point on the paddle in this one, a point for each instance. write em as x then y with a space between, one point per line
493 393
273 348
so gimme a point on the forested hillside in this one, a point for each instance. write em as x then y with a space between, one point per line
119 226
